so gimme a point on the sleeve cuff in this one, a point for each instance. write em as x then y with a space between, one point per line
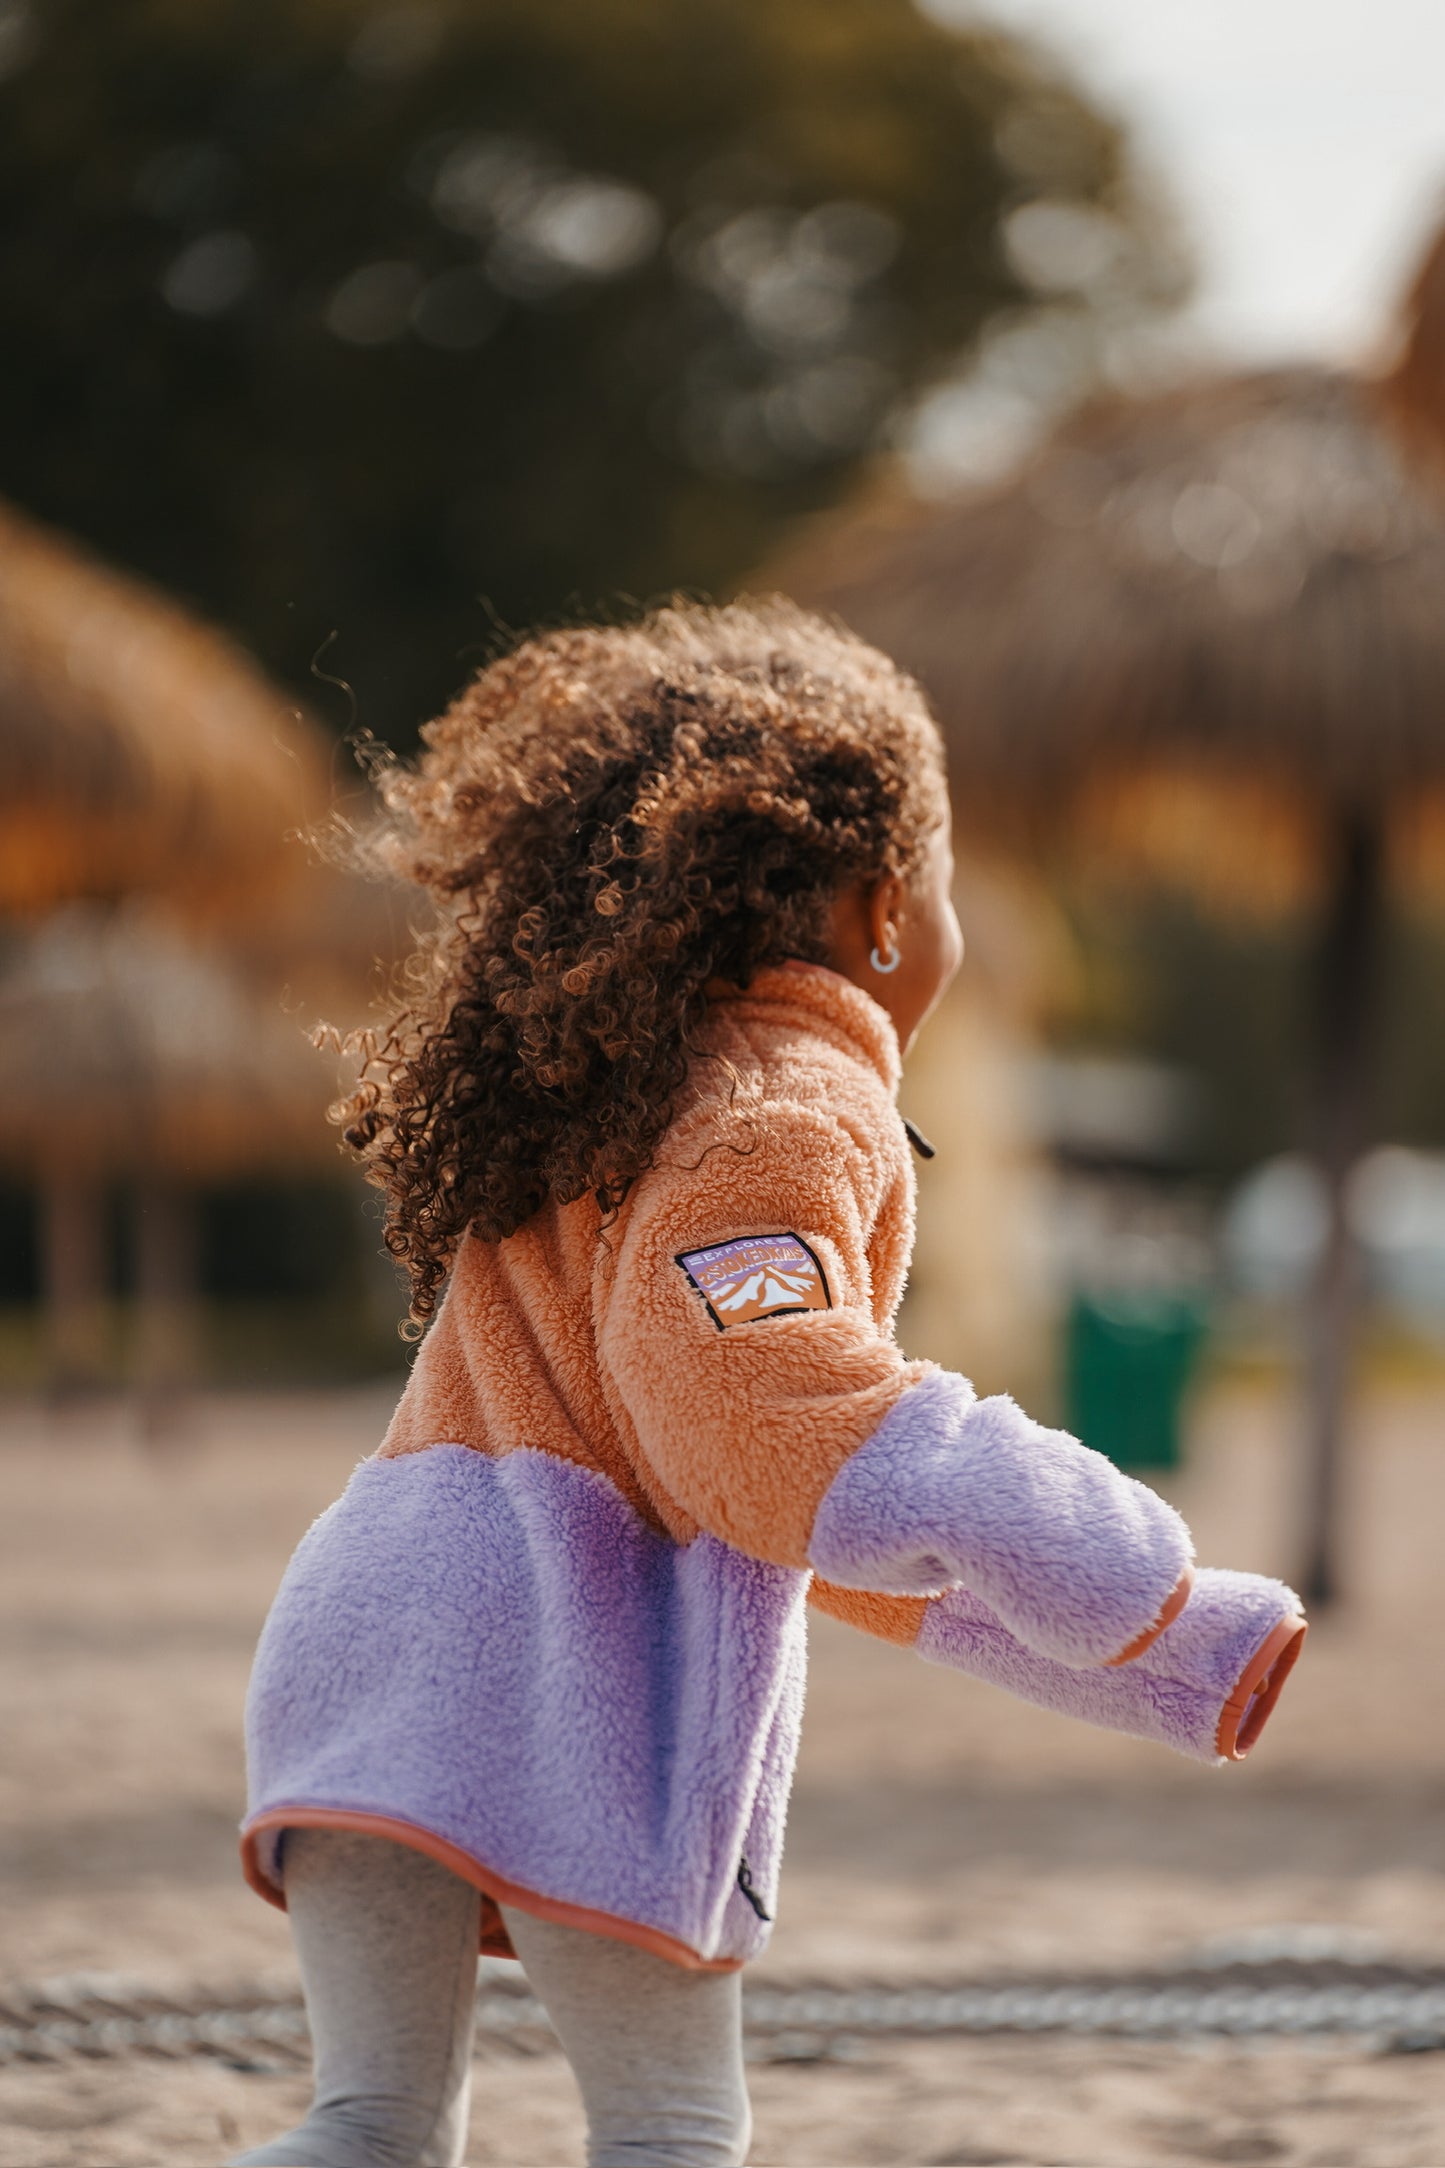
1206 1689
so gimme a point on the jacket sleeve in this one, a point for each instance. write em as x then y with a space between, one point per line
738 1335
1206 1687
738 1330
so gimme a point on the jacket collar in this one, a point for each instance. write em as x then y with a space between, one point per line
825 1002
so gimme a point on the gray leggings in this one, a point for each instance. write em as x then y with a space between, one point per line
387 1944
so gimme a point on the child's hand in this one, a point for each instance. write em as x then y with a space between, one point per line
1206 1687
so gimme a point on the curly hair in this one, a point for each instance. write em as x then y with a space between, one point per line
609 819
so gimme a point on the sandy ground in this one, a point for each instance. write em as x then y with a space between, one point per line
939 1830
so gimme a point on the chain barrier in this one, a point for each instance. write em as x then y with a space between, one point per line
1401 2008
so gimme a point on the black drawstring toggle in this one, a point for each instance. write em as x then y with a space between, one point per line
745 1884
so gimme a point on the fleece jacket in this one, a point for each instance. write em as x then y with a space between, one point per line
553 1632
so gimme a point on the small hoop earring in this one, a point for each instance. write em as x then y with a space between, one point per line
878 964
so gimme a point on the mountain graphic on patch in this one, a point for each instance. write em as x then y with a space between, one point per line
756 1276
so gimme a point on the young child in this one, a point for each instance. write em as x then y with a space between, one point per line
533 1684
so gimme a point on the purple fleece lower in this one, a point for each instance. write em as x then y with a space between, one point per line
503 1653
1074 1558
1174 1693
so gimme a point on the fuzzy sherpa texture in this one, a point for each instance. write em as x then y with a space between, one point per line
1076 1559
596 1346
448 1654
555 1627
1175 1693
887 1618
794 1130
502 1653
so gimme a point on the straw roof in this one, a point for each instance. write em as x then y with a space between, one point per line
1227 597
1206 629
129 1051
1414 389
142 751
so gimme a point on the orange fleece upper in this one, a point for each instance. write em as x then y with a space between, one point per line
600 1348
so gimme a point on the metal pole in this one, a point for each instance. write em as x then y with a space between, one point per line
1346 1018
75 1275
166 1297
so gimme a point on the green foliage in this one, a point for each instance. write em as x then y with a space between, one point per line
391 322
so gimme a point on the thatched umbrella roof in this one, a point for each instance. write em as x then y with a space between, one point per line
128 1051
142 751
1414 389
1208 626
1225 595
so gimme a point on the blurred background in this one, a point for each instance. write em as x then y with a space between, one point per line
1088 356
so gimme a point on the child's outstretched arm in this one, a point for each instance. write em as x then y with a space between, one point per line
1205 1688
737 1332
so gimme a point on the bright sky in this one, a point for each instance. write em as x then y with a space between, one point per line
1304 141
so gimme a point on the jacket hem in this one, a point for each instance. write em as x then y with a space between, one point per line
496 1889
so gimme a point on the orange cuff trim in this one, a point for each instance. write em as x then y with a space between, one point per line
495 1941
1173 1605
1247 1710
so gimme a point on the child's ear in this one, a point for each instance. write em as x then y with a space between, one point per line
885 912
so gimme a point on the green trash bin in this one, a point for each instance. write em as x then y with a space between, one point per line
1128 1359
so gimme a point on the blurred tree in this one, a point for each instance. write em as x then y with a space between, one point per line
382 320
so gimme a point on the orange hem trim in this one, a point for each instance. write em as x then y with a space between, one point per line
1173 1605
1247 1710
492 1885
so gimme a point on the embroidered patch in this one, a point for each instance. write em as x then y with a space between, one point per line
756 1276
